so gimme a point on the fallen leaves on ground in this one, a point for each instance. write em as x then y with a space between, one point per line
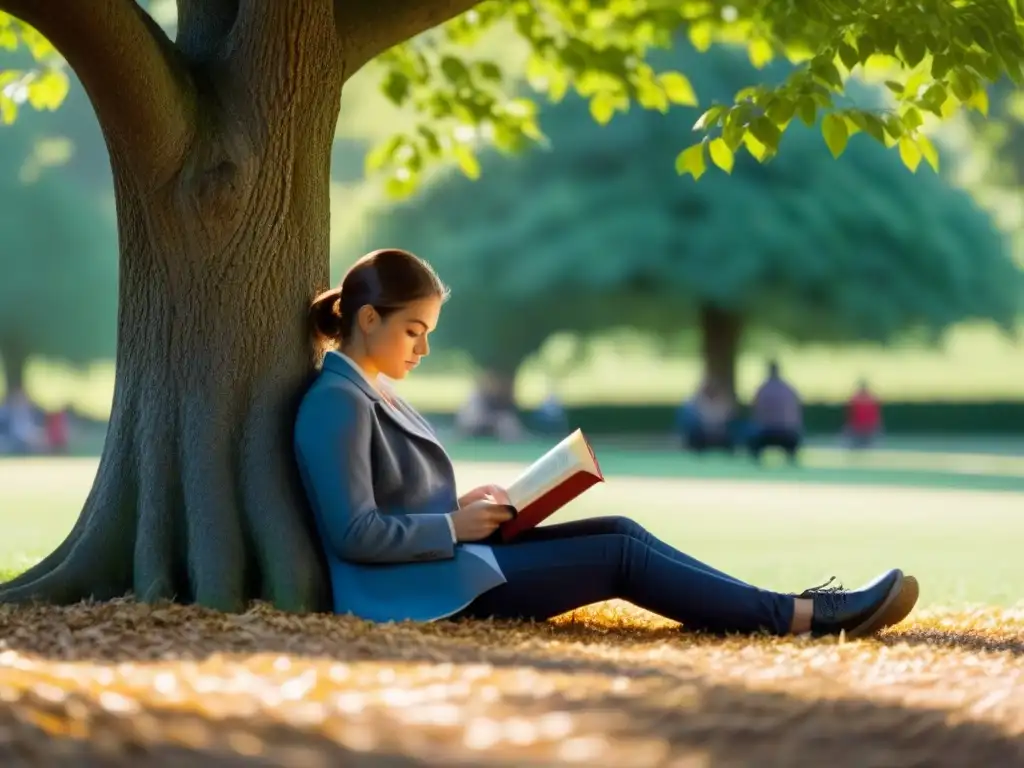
123 683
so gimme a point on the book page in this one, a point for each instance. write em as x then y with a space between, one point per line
550 470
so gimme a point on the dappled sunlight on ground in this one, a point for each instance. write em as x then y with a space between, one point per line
609 685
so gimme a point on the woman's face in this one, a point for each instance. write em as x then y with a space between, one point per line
396 343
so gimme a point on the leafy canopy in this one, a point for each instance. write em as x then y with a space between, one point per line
42 86
942 52
597 233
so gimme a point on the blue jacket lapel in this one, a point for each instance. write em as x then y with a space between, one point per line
335 363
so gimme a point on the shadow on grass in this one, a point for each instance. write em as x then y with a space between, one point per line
965 641
441 694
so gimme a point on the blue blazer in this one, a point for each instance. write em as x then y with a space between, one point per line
380 484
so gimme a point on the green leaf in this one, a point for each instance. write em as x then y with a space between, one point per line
711 117
381 155
807 111
489 71
912 118
678 88
867 47
941 64
700 35
767 133
895 126
8 110
909 152
399 187
691 161
979 101
430 139
826 71
467 161
48 90
895 86
869 123
781 110
929 151
396 86
721 155
760 53
963 84
912 49
934 98
455 70
756 149
836 133
848 55
602 107
649 96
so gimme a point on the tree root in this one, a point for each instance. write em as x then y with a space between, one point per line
198 509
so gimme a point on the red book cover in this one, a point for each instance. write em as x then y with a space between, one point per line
558 477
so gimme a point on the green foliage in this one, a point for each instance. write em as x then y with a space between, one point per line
58 295
44 85
943 54
598 232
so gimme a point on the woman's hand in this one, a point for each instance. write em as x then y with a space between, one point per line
479 519
494 493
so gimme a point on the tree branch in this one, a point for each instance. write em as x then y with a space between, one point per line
203 25
368 29
138 85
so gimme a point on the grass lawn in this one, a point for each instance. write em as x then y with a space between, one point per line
780 527
606 686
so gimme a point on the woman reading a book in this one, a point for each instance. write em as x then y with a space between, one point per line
402 544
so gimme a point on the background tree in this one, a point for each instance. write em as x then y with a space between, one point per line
58 295
59 287
220 145
597 232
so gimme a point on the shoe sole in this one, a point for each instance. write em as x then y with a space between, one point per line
903 604
889 607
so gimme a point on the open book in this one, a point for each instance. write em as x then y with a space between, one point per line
551 482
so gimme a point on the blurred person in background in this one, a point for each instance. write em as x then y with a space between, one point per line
863 417
776 417
550 416
489 412
21 430
58 430
708 419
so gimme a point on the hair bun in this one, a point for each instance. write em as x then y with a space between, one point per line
325 314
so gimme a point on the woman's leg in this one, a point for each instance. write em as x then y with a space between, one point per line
549 575
597 526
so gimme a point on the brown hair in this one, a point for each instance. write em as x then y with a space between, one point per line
387 280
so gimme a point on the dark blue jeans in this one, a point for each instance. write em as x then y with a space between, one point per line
557 568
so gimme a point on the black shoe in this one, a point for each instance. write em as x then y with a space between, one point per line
857 612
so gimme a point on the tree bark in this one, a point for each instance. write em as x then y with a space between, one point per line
14 361
721 332
501 388
197 498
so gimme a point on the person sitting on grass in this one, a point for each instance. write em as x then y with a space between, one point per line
776 416
402 544
708 419
863 417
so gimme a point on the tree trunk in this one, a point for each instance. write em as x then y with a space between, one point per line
721 332
14 361
500 386
197 498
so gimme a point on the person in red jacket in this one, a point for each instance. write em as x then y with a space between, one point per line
863 417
